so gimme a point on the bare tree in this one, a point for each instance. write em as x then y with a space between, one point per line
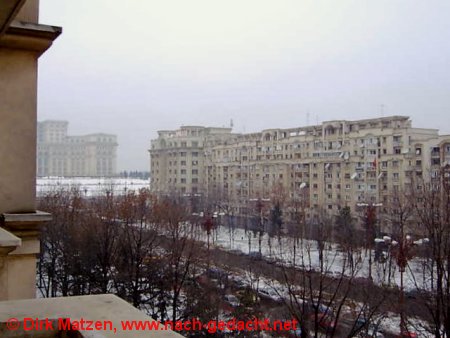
432 205
321 287
137 249
180 254
102 230
59 267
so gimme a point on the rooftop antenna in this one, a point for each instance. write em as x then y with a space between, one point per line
382 106
231 123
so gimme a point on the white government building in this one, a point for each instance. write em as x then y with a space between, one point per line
59 154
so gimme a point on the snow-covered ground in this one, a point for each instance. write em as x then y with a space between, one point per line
307 256
90 186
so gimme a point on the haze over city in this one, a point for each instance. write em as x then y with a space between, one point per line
132 68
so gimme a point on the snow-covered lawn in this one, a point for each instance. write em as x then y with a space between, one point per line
307 256
90 186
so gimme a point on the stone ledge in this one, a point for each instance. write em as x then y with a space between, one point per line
8 241
24 221
34 29
29 36
95 308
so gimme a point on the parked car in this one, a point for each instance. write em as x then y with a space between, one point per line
325 321
255 255
372 332
232 300
270 294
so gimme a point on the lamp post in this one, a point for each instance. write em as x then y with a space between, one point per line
259 209
300 217
208 224
402 251
370 221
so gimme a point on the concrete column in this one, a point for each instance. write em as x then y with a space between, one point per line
18 253
8 243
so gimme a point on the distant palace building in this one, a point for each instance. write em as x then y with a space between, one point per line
322 167
59 154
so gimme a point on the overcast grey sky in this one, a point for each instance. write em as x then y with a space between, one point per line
137 66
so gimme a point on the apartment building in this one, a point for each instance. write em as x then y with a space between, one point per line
59 154
178 158
315 168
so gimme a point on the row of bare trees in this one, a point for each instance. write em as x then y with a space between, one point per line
144 249
134 245
417 251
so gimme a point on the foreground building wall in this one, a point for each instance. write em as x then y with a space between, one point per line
309 169
22 41
59 154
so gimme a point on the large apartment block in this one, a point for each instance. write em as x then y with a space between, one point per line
321 167
178 158
59 154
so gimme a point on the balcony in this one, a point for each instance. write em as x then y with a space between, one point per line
101 315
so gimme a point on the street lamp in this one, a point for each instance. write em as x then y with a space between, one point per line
259 209
402 251
370 220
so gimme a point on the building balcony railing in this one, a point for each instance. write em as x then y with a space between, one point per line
91 316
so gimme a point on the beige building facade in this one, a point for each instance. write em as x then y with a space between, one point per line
22 41
314 168
59 154
178 158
